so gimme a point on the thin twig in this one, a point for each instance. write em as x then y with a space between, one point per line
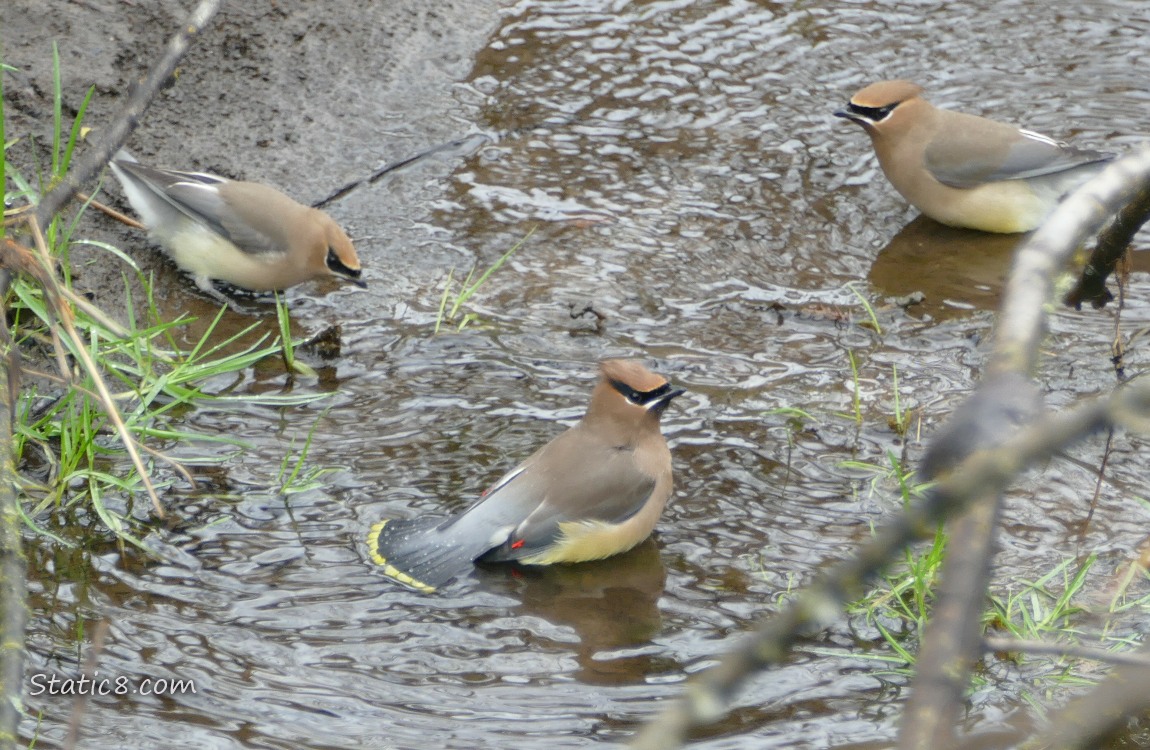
460 145
1097 485
13 591
80 702
109 211
1066 650
81 173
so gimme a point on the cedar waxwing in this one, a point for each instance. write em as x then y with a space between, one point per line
595 491
963 170
247 234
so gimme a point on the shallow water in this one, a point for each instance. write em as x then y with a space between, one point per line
684 177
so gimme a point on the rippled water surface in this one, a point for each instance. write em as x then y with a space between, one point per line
685 179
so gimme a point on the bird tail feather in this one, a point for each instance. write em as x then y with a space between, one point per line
421 553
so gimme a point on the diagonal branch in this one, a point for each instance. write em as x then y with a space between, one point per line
709 694
1007 398
1091 719
13 589
86 168
1111 247
974 472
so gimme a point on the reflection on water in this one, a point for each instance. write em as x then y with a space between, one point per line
612 607
689 184
955 270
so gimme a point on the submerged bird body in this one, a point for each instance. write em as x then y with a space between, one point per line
247 234
963 170
595 491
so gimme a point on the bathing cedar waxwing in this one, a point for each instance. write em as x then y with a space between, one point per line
963 170
594 491
249 235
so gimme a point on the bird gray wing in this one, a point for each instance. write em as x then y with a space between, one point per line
965 162
197 196
605 486
206 203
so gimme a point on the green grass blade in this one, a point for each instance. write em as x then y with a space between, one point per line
443 300
77 124
57 111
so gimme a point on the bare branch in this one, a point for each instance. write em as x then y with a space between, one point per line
950 645
1111 247
93 160
1088 721
1065 650
977 451
13 566
985 472
1031 284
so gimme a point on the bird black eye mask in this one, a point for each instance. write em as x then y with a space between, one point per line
640 398
874 114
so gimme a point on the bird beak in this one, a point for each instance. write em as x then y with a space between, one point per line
343 271
348 274
851 116
659 406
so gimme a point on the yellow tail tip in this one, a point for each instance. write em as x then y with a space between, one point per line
390 570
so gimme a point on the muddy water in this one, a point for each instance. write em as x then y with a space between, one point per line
684 179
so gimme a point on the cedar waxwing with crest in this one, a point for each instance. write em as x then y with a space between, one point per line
247 234
594 491
963 170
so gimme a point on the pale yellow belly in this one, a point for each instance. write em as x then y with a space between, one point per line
582 541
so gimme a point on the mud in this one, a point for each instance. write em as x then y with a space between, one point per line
304 97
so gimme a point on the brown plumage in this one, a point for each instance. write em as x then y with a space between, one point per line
594 491
247 234
963 170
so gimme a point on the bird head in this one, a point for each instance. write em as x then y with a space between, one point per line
340 258
629 393
880 105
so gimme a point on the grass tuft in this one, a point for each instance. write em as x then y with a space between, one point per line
450 314
101 400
